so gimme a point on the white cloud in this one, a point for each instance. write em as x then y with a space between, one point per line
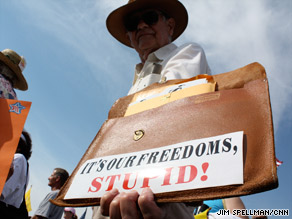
236 33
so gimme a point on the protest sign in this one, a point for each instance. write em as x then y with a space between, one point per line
187 165
13 114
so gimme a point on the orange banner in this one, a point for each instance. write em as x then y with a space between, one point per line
13 114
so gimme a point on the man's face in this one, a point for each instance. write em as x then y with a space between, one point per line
53 179
150 36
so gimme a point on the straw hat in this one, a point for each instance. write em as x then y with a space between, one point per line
16 63
173 8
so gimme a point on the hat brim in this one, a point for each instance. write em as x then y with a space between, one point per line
19 82
173 8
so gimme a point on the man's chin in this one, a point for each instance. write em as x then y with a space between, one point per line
147 47
146 42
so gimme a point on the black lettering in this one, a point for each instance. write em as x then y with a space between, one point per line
175 153
188 151
152 158
199 152
143 156
111 164
84 168
118 166
130 161
101 166
226 145
213 145
164 154
92 164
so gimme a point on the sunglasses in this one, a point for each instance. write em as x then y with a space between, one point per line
149 17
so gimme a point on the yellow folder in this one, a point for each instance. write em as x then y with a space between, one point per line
169 97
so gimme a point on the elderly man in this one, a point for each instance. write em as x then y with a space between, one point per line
150 27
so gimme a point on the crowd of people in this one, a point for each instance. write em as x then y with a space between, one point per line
12 200
149 27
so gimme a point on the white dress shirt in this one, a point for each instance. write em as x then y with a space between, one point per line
170 62
13 190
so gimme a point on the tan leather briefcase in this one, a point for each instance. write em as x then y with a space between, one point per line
241 102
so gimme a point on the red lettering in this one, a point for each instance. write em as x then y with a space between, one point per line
167 177
182 173
96 184
186 174
127 179
112 181
146 181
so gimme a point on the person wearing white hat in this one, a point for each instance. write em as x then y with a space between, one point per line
70 213
11 77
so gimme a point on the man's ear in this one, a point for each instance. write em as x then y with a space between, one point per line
171 25
58 178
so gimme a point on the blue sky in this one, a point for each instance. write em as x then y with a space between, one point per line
76 71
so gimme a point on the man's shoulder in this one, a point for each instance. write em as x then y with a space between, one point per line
190 45
171 49
47 209
19 160
52 194
19 156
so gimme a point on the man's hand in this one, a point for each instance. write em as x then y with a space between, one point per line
131 205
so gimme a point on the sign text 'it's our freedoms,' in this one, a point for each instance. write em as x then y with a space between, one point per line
200 163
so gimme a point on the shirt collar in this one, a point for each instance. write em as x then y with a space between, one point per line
164 51
158 55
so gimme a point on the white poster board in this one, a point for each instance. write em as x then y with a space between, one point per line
200 163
